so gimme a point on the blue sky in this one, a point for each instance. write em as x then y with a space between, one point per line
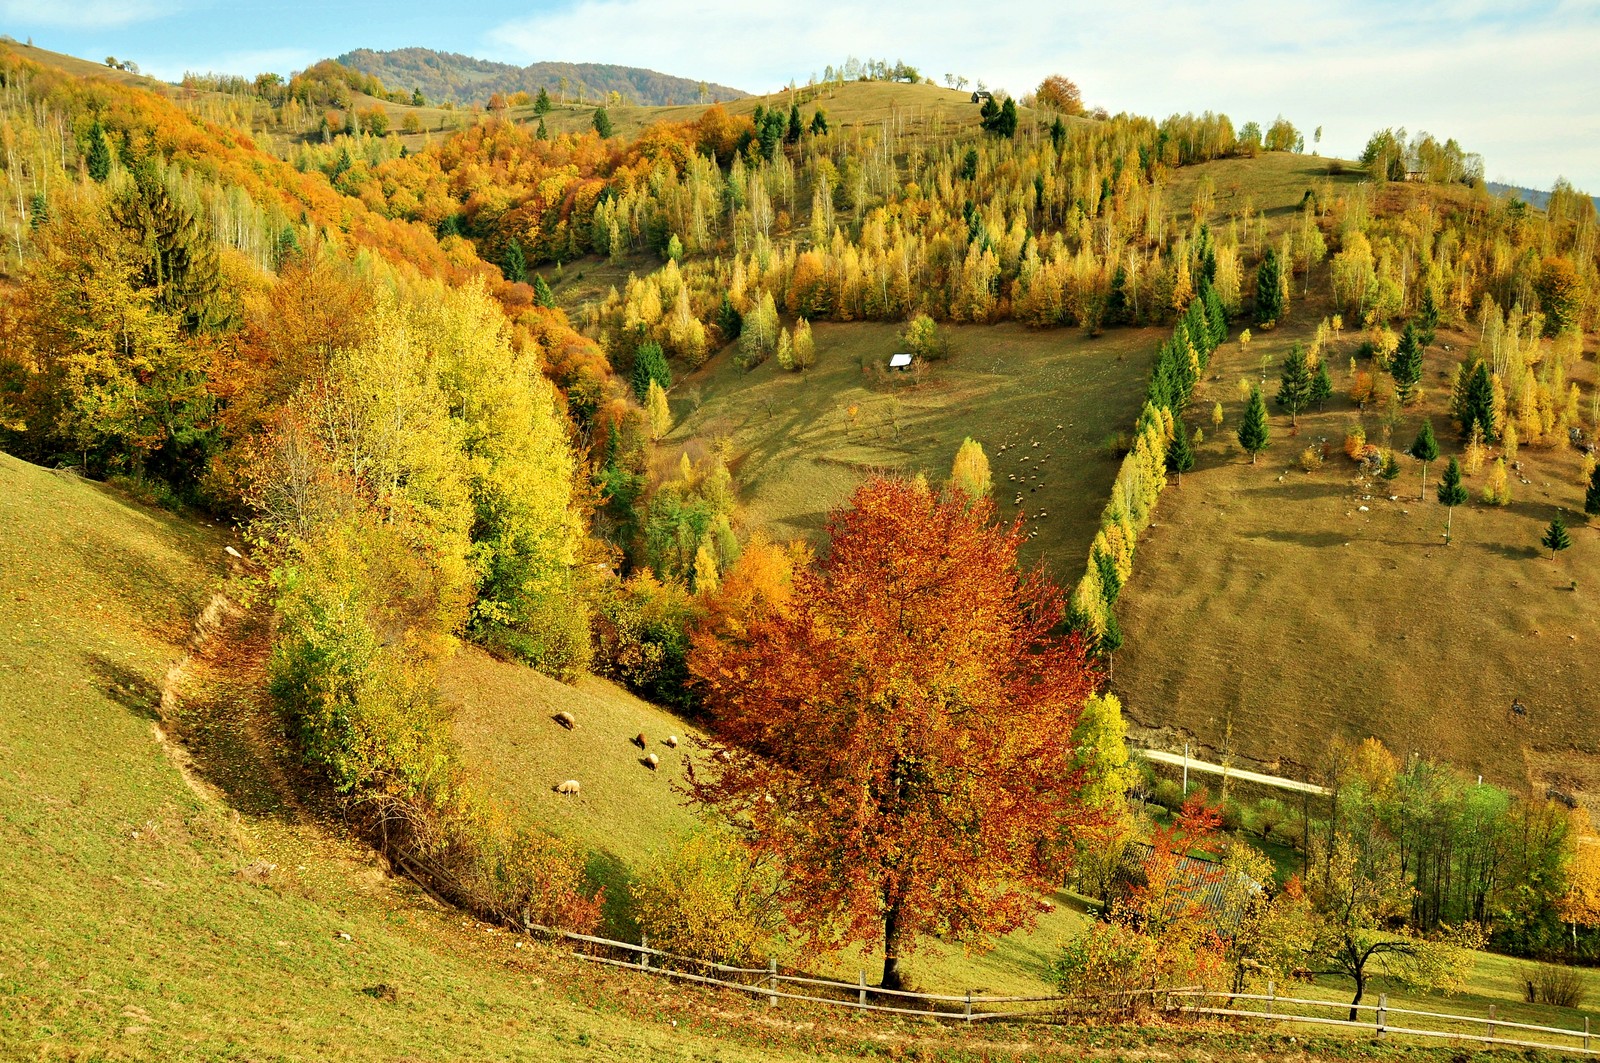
1518 83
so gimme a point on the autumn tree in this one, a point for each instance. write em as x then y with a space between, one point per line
1059 93
1424 448
970 472
1253 433
902 737
1451 494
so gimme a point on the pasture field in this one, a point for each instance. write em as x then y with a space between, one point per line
1272 609
799 443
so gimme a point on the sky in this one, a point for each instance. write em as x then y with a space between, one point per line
1517 83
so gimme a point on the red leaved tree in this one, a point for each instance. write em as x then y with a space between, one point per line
900 735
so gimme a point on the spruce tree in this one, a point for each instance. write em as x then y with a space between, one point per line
1427 317
98 155
819 123
1180 454
1555 537
1391 469
602 123
1058 133
1473 402
1406 366
649 364
541 103
1321 384
1424 448
729 321
1269 289
1451 494
1591 497
516 263
1253 432
542 295
1294 385
541 133
791 135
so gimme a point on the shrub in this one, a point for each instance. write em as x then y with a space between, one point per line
641 637
1232 814
710 900
1547 983
1168 794
923 337
1355 441
1268 815
1107 964
1311 458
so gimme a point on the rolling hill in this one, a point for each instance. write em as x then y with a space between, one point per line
463 79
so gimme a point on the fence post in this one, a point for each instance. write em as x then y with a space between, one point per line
969 1006
1586 1033
861 992
1383 1012
772 980
1270 995
644 951
1489 1029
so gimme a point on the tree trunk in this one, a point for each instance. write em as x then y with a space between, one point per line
891 949
1423 494
1449 518
1361 989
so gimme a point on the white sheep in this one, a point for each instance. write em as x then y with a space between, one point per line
565 719
568 787
652 761
672 741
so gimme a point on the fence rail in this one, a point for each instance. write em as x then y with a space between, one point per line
971 1007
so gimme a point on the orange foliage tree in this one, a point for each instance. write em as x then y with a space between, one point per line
901 735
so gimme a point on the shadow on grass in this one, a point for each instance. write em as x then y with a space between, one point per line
609 872
125 687
1319 540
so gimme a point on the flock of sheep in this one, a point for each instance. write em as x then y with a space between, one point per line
649 760
1037 474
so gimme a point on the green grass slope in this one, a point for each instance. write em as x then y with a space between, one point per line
146 919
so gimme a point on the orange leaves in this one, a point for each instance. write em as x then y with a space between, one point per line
912 717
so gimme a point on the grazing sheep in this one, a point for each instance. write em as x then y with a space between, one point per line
672 742
565 719
724 756
568 787
651 761
639 741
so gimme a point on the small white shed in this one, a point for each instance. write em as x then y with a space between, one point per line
901 360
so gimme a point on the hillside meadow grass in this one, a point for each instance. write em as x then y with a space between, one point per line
799 443
1308 605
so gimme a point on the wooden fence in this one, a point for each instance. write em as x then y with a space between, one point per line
969 1007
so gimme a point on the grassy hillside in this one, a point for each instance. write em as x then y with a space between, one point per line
799 443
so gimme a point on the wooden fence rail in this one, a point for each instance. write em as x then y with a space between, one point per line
968 1007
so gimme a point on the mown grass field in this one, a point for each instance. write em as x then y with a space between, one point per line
1273 609
801 442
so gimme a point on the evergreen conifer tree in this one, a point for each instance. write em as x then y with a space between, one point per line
602 123
1058 133
1391 468
1294 385
1253 433
1424 448
1180 454
1555 537
1321 384
541 133
98 156
1451 494
791 135
1473 402
729 320
1406 365
649 364
1427 317
819 123
541 103
1269 288
516 263
1591 497
542 295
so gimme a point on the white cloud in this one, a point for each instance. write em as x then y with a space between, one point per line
1516 86
84 14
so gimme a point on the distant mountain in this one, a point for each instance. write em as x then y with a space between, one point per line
448 76
1531 196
